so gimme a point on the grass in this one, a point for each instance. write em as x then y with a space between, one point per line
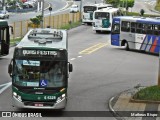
14 41
138 14
157 8
148 93
72 25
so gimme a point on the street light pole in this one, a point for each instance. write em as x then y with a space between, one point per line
42 14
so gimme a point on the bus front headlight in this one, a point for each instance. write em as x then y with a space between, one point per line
17 96
60 98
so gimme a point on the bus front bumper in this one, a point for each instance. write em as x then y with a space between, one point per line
87 21
57 105
101 29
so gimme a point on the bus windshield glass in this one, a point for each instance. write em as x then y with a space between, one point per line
88 9
39 73
101 15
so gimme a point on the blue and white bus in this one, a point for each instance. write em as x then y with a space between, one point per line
89 9
136 33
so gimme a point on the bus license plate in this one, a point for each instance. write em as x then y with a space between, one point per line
38 104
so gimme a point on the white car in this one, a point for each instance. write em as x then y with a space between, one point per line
74 8
4 14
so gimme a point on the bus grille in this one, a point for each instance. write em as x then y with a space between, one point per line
29 103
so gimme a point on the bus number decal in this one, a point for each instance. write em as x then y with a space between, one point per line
49 97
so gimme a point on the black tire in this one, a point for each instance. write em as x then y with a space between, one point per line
97 31
89 24
126 46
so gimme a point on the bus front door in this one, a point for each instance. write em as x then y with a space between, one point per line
115 34
4 40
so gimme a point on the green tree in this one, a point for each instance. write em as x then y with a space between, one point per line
37 20
157 7
142 12
115 3
126 3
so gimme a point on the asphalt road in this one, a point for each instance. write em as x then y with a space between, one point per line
100 72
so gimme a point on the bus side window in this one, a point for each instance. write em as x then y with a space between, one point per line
156 29
133 27
149 29
139 28
125 26
144 28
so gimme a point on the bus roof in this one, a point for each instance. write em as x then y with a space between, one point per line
108 9
98 5
139 19
45 38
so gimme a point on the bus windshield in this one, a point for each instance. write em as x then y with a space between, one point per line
101 15
31 73
88 9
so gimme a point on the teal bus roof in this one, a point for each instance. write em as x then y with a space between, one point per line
45 38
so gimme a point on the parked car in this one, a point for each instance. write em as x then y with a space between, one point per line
4 14
74 8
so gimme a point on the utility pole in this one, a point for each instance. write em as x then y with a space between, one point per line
81 11
4 5
42 14
126 6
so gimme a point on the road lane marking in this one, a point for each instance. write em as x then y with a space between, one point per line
6 85
79 56
93 48
72 58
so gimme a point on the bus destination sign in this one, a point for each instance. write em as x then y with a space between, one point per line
39 52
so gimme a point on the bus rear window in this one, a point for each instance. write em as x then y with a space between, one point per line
100 15
89 9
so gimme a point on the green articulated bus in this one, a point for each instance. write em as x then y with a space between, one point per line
40 70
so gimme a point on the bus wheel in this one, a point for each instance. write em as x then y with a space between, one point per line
126 46
97 31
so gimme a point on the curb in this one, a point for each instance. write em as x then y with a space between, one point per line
117 116
110 103
155 11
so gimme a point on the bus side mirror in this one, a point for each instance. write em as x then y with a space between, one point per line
10 69
11 29
70 67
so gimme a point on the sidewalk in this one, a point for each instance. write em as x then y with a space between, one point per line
123 109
